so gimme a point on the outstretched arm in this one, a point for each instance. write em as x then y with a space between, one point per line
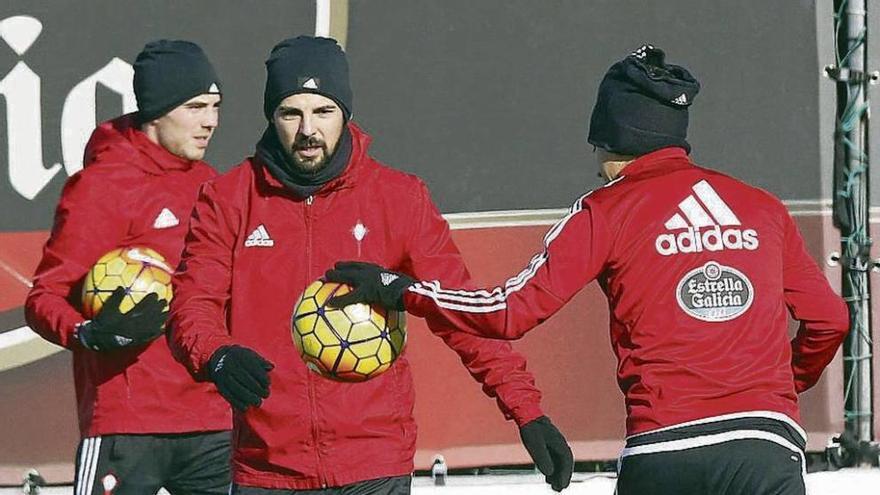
574 253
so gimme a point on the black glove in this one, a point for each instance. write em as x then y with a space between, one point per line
112 329
549 450
241 375
370 284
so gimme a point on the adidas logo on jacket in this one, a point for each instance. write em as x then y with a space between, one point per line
259 238
704 210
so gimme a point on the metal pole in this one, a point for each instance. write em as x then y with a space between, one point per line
860 422
851 211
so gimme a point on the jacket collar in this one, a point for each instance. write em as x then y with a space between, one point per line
658 162
357 164
121 140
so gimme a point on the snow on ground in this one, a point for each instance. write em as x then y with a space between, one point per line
843 482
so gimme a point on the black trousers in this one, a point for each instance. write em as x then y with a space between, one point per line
398 485
750 457
183 464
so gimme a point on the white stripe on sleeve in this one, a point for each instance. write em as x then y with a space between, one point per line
486 301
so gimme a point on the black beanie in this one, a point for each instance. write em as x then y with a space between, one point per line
307 64
169 72
642 105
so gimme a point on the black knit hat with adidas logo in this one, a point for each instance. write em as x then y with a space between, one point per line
642 105
167 73
307 64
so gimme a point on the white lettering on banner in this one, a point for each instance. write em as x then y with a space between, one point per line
78 116
21 89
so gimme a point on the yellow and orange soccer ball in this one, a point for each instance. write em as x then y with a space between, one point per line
141 270
351 344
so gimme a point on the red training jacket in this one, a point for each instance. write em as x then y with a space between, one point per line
699 270
252 249
132 192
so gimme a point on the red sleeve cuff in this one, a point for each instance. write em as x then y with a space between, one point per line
526 413
204 354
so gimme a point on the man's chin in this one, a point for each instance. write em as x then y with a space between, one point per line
309 166
191 154
197 155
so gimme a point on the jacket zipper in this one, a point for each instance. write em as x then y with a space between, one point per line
309 378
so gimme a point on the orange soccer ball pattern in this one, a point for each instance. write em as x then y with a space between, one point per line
351 344
140 270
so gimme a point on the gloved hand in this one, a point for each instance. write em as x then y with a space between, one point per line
241 375
111 329
370 284
549 450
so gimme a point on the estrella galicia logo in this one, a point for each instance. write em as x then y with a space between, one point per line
714 292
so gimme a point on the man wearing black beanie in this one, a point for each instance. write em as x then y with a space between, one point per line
261 234
701 272
145 423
